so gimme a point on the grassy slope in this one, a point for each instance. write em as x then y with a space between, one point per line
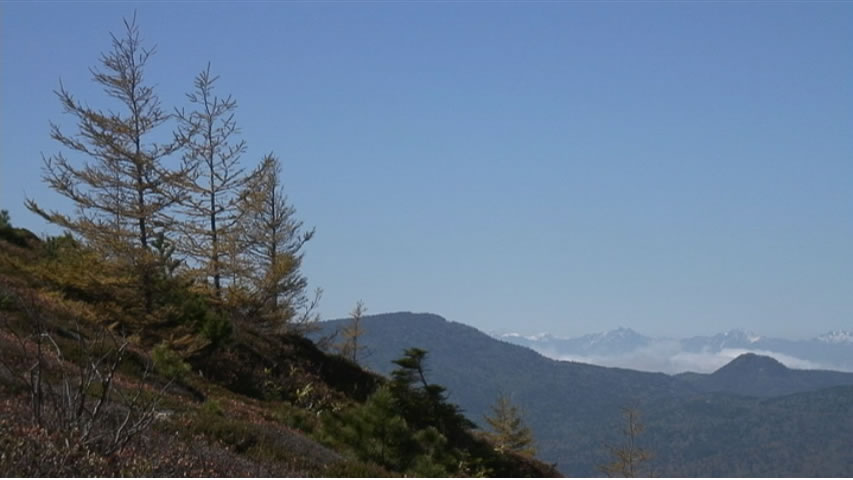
246 408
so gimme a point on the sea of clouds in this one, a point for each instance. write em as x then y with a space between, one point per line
667 356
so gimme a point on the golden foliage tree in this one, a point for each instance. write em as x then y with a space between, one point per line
212 206
273 248
509 432
120 188
628 460
350 347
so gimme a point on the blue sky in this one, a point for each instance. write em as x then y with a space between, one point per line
676 168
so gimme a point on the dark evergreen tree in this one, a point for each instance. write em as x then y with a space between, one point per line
376 432
425 404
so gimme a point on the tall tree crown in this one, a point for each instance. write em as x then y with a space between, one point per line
274 239
121 190
216 179
509 432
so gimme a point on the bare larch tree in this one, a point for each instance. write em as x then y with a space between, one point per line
122 192
274 241
212 207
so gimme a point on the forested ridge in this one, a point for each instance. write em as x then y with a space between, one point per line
697 425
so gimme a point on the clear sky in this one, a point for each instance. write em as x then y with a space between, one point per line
676 168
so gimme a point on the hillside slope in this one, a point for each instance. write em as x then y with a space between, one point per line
89 386
562 400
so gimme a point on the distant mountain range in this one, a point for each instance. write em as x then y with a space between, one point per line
624 347
754 417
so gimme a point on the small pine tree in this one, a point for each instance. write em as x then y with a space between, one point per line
405 425
373 431
509 430
425 404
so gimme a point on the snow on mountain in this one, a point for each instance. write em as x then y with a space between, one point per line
836 336
603 343
517 336
741 336
624 347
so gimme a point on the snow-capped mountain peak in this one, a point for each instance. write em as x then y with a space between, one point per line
741 336
616 341
538 337
625 348
837 336
620 333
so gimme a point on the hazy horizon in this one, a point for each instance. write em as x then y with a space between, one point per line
663 353
675 168
667 355
706 331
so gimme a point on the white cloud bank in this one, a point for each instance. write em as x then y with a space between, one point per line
667 356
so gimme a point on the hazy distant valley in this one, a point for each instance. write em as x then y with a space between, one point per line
625 348
753 416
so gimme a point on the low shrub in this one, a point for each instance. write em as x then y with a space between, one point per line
356 469
168 363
